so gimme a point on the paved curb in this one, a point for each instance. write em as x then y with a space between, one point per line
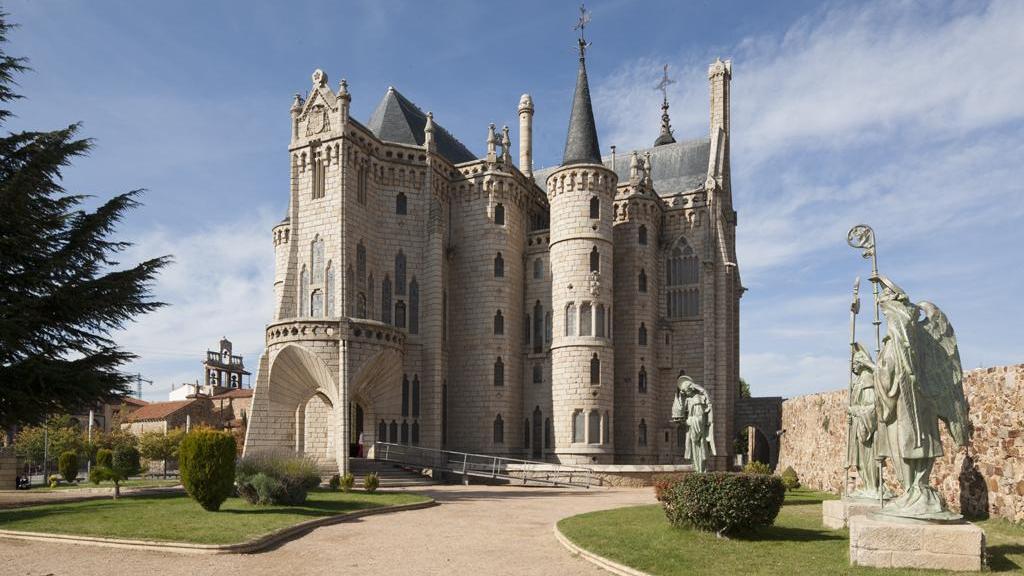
254 545
596 559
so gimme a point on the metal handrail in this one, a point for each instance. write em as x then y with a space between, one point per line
487 465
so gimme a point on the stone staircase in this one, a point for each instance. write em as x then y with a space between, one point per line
391 475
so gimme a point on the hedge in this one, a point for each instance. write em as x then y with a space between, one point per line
724 502
67 465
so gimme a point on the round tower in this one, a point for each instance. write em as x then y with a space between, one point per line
581 195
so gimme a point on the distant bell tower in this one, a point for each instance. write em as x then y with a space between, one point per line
222 368
581 193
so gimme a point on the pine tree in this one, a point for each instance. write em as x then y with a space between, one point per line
61 292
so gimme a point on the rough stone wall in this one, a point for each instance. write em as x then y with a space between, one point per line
990 480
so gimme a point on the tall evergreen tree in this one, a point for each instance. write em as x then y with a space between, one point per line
61 290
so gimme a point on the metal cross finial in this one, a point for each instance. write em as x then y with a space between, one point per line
665 83
581 24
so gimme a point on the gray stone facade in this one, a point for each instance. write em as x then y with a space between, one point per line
426 297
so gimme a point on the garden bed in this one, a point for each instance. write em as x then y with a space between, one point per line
177 518
641 538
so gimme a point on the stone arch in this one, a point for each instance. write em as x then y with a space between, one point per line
764 415
375 387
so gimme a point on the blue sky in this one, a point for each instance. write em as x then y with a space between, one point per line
905 115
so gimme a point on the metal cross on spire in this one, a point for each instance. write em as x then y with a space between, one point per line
664 84
581 24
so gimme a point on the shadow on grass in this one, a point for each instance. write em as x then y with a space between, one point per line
786 534
998 557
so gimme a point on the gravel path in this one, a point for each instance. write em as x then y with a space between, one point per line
477 530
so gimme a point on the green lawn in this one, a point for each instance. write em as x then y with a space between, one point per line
797 544
148 483
176 517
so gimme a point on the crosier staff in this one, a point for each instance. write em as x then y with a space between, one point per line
850 453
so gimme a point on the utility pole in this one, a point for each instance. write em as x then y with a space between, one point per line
138 384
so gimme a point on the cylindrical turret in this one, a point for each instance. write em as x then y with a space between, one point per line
526 135
583 394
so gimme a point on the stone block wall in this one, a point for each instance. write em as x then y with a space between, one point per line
988 478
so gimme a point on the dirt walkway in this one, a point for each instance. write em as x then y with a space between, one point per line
482 530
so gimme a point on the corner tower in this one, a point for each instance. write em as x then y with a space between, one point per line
581 193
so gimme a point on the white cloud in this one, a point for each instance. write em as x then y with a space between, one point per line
220 284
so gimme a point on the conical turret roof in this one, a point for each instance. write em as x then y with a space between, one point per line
581 145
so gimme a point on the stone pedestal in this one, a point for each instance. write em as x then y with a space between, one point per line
836 513
915 544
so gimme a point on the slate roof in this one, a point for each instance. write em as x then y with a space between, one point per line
397 119
157 411
678 167
581 145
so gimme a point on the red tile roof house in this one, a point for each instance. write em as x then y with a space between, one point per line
164 416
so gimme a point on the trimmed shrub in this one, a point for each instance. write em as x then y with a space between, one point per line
67 464
371 482
756 467
335 482
115 466
790 479
206 459
664 482
276 478
724 502
347 482
54 480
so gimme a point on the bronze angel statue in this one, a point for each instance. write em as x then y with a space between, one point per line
918 382
692 406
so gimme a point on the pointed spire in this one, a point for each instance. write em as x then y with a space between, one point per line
581 145
666 136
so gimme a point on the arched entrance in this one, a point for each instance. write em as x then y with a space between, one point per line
752 445
319 431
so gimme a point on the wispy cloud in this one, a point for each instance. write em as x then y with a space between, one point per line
221 284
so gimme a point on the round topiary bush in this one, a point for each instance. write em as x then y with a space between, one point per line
67 465
790 479
724 502
347 482
276 478
206 459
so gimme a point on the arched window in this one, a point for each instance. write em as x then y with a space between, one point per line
382 431
401 204
393 432
303 292
641 436
499 323
369 297
415 432
526 330
316 304
350 289
595 370
570 319
362 178
414 307
547 327
538 269
595 260
319 174
641 336
526 433
405 395
595 208
499 214
538 373
361 261
405 432
641 235
606 428
641 380
579 427
594 424
599 321
385 300
585 319
499 266
499 430
683 271
329 288
416 396
499 372
547 432
538 327
317 260
641 281
400 314
400 273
